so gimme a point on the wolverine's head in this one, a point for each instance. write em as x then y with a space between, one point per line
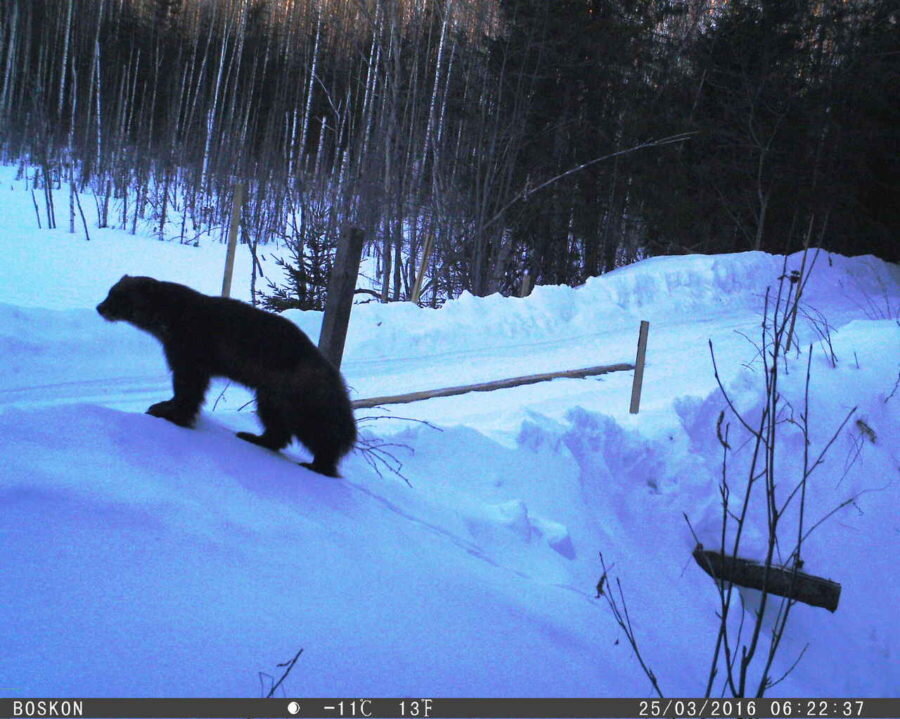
130 300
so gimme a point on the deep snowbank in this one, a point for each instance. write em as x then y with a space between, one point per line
166 563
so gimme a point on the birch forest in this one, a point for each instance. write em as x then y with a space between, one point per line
495 139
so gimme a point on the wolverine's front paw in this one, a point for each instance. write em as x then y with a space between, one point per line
160 408
169 410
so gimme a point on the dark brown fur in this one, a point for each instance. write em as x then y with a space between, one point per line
298 392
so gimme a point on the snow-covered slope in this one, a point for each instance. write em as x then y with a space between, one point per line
142 559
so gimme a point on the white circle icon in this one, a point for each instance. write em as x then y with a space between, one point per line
294 708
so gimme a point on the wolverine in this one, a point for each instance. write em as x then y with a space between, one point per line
299 393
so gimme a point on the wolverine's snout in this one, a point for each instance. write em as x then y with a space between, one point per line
103 309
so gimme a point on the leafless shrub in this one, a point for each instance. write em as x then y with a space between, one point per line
747 659
744 654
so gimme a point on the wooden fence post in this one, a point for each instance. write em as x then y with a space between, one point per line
639 367
236 206
339 299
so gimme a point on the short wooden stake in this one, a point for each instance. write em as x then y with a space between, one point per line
423 264
339 299
236 206
783 581
639 367
527 284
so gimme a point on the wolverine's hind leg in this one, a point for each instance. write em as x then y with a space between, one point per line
323 465
318 434
276 435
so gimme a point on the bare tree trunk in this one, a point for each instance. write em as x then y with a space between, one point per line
312 79
9 32
211 112
63 68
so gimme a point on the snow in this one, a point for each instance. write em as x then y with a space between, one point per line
143 559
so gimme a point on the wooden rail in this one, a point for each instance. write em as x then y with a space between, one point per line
490 386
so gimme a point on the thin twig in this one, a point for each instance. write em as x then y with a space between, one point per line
527 192
374 452
789 669
893 391
624 621
289 665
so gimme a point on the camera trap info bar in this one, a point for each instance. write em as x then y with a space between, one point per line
435 708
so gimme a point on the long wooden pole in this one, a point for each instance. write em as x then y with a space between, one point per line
489 386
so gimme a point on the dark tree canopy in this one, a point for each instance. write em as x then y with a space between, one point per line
439 123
